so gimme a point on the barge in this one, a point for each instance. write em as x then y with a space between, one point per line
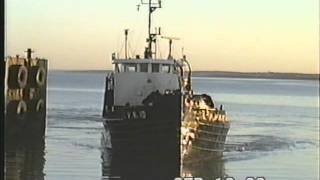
204 129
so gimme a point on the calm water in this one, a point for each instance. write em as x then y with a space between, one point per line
276 119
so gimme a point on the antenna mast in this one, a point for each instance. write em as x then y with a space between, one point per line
151 36
126 43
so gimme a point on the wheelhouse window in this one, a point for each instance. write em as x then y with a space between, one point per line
165 68
155 67
130 67
143 67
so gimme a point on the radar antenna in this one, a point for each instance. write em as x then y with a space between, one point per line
170 44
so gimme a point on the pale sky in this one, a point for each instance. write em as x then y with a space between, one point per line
220 35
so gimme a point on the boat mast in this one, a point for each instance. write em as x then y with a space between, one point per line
151 36
149 32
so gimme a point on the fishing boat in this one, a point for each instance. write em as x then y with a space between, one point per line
143 103
149 104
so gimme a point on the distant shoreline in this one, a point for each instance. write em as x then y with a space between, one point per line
228 74
259 75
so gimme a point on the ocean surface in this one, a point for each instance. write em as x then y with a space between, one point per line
277 120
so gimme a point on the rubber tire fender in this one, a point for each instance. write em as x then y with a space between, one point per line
37 76
17 108
17 77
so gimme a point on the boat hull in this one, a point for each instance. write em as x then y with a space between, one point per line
148 134
145 136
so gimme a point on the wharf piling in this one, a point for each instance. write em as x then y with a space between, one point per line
25 95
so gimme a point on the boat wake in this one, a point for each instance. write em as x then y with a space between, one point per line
244 147
257 143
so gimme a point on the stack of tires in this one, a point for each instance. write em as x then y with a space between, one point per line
26 82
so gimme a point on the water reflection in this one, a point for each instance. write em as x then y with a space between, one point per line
131 166
24 146
201 164
24 158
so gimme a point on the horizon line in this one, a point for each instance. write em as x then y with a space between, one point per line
221 71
